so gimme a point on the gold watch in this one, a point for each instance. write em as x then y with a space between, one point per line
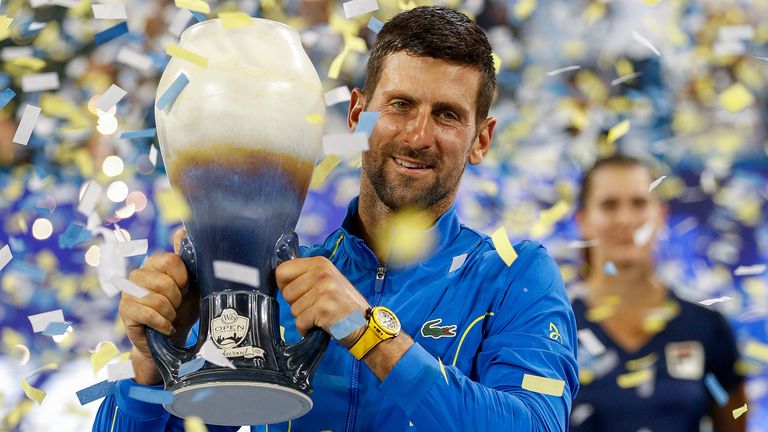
382 325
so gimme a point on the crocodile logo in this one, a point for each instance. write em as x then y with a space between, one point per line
433 329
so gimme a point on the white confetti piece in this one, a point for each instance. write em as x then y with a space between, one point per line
132 247
640 38
344 143
26 125
41 321
749 270
109 11
562 70
235 272
180 22
736 32
712 301
90 198
457 262
135 59
110 98
337 95
582 244
12 53
120 371
655 183
547 386
590 342
128 287
40 82
213 354
625 78
153 155
642 235
5 256
110 264
359 7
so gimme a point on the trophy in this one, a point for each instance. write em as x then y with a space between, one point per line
239 144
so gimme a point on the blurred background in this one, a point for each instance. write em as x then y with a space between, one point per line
682 82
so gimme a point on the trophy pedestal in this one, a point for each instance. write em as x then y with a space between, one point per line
239 403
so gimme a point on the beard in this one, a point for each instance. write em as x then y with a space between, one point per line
398 191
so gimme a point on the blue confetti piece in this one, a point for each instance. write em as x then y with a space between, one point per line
367 122
17 244
74 234
610 269
198 16
56 328
33 272
191 366
5 80
96 391
143 133
715 389
151 395
6 96
375 25
111 33
170 95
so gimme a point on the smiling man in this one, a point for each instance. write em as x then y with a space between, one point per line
457 341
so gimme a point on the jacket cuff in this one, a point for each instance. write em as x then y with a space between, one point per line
413 375
134 408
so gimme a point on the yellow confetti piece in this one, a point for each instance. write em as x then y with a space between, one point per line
174 50
642 363
194 5
404 6
194 424
105 352
33 393
757 351
738 412
634 379
442 369
314 118
32 63
586 376
736 97
524 8
354 43
618 131
549 217
173 207
547 386
322 170
233 20
496 62
5 26
335 68
406 236
503 246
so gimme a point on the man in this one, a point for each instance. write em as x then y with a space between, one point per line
431 78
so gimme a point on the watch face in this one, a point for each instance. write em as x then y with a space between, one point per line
387 320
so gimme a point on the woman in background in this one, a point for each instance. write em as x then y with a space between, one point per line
648 360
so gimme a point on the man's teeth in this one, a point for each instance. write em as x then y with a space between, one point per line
408 165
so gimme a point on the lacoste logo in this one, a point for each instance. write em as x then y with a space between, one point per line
433 329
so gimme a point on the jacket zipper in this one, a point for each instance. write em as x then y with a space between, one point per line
378 287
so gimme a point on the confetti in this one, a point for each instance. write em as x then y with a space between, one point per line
337 95
709 302
344 143
5 256
738 412
322 170
27 124
194 424
234 20
234 272
96 391
180 22
40 82
375 25
749 270
172 92
757 351
150 395
191 366
503 246
716 389
624 78
109 11
582 244
610 268
547 386
33 393
128 287
174 50
638 37
137 134
618 131
457 262
104 353
90 198
590 342
562 70
153 155
642 235
120 371
110 33
359 7
655 183
194 5
335 68
110 98
314 118
133 248
213 354
6 96
40 321
367 122
736 97
634 379
136 60
57 328
442 369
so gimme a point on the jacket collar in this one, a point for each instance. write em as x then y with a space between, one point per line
445 230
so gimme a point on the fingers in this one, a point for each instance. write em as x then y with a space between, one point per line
178 236
157 283
289 270
135 315
298 287
171 265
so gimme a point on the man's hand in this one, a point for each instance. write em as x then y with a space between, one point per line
318 293
168 308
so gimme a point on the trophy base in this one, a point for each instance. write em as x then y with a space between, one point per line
237 403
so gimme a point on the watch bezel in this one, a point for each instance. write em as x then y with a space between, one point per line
381 325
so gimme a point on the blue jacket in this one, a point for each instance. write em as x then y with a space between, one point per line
489 324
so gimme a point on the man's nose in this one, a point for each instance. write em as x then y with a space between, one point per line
419 131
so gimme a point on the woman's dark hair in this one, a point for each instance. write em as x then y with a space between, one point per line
440 33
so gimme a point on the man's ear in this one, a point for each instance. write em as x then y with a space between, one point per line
482 143
356 106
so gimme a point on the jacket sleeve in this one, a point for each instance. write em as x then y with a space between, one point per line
532 331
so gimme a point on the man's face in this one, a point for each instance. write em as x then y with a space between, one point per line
426 132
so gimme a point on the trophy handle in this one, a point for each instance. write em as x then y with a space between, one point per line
168 356
303 357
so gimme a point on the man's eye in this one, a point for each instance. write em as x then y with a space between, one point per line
399 105
447 115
